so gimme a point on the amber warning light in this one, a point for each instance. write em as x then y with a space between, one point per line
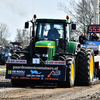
93 29
35 16
67 17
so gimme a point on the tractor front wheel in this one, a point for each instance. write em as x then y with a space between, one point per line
70 72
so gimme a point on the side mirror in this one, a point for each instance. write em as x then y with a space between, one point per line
73 26
26 24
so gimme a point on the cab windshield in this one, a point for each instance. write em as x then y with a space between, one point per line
50 31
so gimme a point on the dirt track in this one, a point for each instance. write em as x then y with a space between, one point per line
47 92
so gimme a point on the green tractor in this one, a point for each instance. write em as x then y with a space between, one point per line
51 56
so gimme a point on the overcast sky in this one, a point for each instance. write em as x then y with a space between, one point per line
14 13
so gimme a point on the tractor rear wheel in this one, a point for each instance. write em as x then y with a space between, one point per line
85 67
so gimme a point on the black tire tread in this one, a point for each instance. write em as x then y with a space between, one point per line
83 72
69 61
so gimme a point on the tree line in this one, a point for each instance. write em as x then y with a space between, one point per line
22 36
81 12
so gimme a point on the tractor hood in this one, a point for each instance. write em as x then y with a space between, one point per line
45 49
45 44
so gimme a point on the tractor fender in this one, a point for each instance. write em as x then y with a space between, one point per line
73 47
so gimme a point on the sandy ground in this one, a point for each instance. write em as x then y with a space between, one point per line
47 92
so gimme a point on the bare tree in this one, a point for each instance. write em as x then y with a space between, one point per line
19 36
4 34
26 37
81 12
23 37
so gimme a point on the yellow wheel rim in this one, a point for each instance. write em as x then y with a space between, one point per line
91 67
72 72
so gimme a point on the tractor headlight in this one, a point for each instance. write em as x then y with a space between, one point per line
45 55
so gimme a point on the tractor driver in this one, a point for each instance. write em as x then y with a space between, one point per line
53 33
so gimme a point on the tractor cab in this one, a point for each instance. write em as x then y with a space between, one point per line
48 32
50 37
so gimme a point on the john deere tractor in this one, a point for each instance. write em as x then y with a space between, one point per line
51 56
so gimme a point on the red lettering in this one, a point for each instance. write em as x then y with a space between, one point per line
94 29
90 29
98 29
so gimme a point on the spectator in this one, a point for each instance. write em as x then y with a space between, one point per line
82 39
95 37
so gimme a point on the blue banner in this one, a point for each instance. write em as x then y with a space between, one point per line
88 42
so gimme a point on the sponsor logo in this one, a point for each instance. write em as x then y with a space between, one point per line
51 73
54 73
35 68
17 61
56 62
9 72
29 75
35 72
54 79
57 72
18 73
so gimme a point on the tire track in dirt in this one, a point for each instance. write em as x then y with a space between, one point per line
47 92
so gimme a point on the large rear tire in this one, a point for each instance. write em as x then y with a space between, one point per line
85 67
